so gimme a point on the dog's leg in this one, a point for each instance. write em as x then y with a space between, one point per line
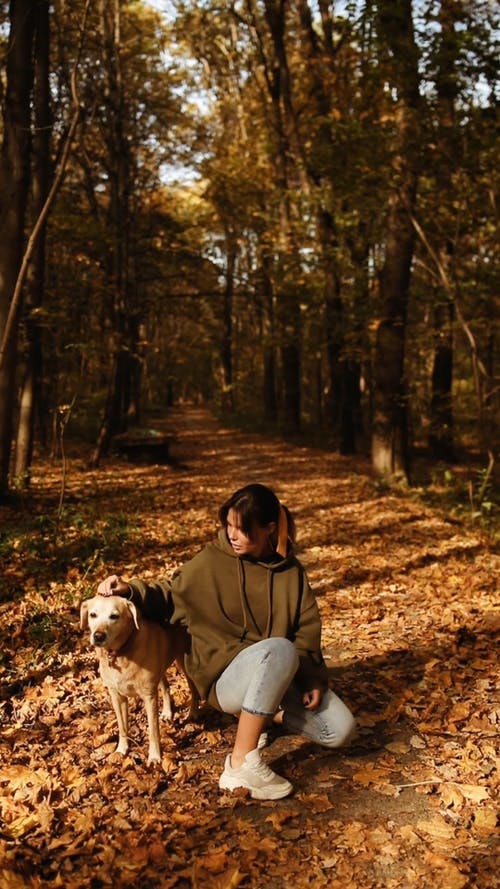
151 705
167 711
120 706
194 701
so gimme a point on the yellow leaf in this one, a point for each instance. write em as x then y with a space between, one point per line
476 793
451 796
291 833
485 819
21 826
407 833
186 771
184 818
437 828
231 880
398 747
459 712
21 776
370 775
316 802
353 835
448 872
279 818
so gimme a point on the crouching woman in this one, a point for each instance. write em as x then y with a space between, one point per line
255 636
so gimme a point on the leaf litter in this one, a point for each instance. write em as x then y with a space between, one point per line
409 605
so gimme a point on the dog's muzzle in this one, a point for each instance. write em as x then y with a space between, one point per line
98 638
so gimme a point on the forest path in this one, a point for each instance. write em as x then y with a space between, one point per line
408 601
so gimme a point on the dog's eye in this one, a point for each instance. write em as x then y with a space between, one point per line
114 616
93 614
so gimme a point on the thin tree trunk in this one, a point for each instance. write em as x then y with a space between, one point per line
227 329
283 130
390 396
125 325
268 337
343 396
31 394
14 187
441 407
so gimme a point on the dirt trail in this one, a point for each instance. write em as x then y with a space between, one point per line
409 602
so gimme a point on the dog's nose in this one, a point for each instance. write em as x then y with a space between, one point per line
99 637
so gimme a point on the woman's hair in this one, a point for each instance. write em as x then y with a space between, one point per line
256 504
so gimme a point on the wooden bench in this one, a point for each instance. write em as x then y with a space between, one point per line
144 446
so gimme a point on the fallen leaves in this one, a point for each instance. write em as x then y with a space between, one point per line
409 614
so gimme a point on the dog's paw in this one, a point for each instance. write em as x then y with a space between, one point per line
154 759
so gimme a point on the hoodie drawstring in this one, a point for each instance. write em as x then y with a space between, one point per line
241 589
242 593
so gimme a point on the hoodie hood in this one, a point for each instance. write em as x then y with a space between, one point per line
246 566
277 563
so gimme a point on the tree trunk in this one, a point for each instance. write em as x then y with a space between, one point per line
264 304
334 322
441 408
227 326
441 411
31 406
290 363
390 400
284 136
125 324
14 186
268 337
344 397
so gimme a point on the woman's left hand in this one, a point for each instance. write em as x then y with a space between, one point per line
312 699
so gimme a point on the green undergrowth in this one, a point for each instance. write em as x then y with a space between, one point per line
47 546
466 493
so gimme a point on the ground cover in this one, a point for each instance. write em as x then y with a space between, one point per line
409 603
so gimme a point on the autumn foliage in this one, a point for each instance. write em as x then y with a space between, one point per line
407 596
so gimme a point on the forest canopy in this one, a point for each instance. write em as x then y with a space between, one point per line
285 209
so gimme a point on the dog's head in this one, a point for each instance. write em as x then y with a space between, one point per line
110 619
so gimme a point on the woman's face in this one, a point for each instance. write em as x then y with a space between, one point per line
258 546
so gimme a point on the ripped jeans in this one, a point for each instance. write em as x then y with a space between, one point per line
260 680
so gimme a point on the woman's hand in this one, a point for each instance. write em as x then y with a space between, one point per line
113 586
312 699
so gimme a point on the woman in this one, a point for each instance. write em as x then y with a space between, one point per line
255 635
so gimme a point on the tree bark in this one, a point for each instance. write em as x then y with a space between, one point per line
14 187
441 410
284 136
227 325
441 407
125 323
390 455
344 395
268 337
31 406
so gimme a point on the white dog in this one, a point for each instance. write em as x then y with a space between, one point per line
134 655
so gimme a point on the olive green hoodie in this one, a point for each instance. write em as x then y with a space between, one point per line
228 603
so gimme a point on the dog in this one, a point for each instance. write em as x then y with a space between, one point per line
134 654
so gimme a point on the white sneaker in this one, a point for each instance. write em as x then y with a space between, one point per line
256 776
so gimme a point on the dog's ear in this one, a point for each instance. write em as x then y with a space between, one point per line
84 614
135 614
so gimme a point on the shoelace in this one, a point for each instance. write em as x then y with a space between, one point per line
263 771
